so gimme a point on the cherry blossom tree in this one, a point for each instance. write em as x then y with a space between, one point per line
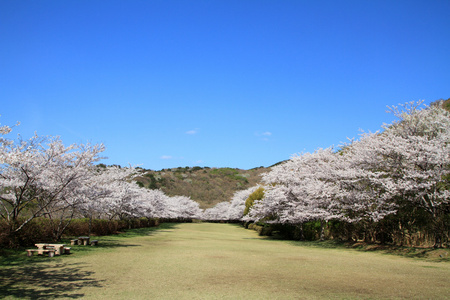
123 203
368 179
300 190
125 199
217 213
182 208
154 204
410 161
37 175
106 193
4 130
232 210
237 204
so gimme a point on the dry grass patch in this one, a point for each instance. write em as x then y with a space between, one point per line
224 261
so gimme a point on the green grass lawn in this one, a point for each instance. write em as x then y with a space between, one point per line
219 261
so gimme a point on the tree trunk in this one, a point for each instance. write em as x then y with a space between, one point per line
90 225
438 232
298 232
322 230
438 227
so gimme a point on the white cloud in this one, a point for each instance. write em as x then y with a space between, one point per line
264 134
166 157
191 132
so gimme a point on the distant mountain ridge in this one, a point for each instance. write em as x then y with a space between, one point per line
207 186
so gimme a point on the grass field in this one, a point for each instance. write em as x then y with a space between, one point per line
219 261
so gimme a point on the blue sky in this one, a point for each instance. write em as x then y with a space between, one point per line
230 83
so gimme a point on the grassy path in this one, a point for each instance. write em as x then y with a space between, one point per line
223 261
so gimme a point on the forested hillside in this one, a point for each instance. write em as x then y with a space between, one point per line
207 186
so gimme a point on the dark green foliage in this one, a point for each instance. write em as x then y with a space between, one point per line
263 229
300 232
410 226
311 230
153 182
230 173
38 229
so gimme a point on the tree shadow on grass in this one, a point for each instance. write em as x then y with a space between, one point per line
115 241
429 254
163 227
145 231
103 245
326 244
424 253
17 257
37 281
32 278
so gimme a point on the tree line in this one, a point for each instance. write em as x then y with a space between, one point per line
40 177
388 186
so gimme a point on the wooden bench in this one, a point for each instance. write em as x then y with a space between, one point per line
94 242
74 242
51 252
31 251
66 250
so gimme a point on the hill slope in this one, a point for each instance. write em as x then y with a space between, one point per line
207 186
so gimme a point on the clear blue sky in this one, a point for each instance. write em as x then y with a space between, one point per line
216 83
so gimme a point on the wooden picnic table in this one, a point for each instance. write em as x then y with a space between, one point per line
41 248
51 249
83 240
59 248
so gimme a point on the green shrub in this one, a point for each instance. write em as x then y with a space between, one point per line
267 230
78 227
103 227
35 231
258 229
40 230
258 194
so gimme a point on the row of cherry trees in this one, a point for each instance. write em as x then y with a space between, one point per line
229 211
40 177
405 169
